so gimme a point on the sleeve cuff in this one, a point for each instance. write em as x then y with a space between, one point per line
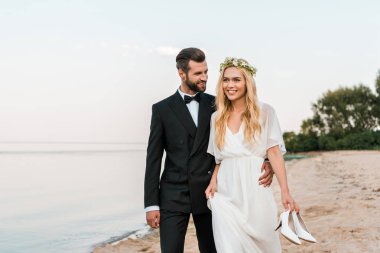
152 208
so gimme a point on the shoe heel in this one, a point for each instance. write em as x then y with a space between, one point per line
279 225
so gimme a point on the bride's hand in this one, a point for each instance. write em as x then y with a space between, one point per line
211 189
289 202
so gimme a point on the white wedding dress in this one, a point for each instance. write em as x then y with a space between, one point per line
244 214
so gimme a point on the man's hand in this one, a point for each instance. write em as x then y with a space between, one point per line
153 218
211 189
266 179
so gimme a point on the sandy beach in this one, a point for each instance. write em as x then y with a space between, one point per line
339 196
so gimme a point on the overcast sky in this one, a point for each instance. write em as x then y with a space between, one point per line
90 70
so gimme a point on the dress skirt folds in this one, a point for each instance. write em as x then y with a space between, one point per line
244 213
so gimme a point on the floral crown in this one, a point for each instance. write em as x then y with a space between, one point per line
239 63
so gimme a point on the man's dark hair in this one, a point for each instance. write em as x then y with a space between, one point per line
187 54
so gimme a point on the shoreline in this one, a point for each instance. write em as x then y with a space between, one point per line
338 192
114 240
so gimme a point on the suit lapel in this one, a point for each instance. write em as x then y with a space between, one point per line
204 116
180 109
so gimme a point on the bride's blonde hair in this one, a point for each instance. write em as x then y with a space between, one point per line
251 115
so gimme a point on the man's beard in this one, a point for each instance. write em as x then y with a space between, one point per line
193 86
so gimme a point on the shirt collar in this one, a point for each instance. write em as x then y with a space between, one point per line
183 93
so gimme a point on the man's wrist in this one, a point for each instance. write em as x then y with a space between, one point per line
266 160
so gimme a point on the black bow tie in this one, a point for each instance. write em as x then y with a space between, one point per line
188 99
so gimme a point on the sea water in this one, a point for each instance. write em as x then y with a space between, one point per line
68 197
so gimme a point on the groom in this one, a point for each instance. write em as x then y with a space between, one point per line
180 126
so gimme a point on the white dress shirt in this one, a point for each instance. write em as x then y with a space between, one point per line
193 107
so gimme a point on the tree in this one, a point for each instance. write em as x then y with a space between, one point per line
377 83
345 118
377 102
343 111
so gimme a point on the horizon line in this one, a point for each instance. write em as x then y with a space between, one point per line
67 142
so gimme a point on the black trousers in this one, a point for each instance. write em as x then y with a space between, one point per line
173 227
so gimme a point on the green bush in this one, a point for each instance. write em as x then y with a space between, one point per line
301 142
377 138
364 140
327 142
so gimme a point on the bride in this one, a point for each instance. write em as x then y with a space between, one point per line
243 132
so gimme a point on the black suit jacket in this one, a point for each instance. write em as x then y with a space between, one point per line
188 167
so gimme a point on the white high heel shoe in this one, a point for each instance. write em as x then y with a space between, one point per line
286 222
301 229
